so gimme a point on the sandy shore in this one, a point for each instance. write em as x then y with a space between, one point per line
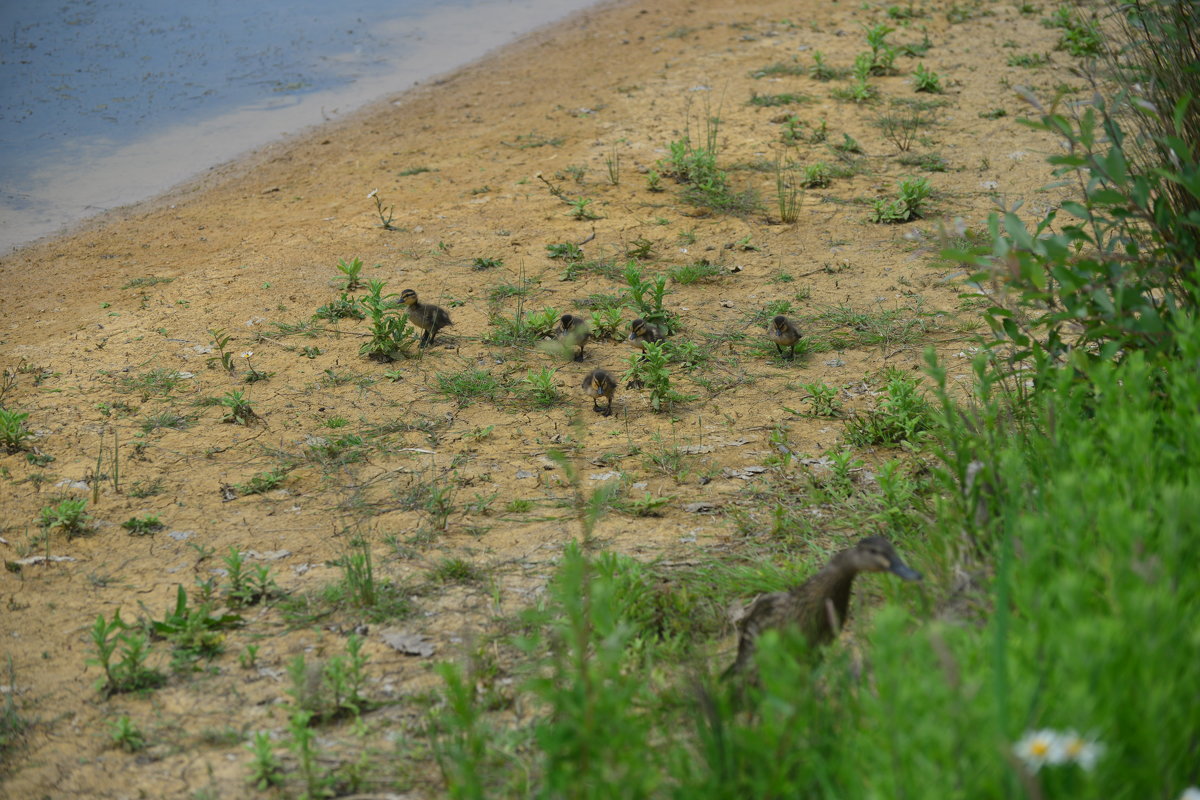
106 335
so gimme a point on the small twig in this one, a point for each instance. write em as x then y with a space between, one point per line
554 190
588 239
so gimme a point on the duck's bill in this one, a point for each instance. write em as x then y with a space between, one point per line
905 571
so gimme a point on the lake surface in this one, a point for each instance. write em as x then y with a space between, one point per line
108 102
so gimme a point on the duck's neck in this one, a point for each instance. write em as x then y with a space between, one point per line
835 581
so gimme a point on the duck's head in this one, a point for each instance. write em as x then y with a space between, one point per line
876 554
638 330
598 382
408 297
779 323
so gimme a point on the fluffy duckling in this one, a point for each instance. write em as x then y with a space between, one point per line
426 316
599 383
641 332
784 333
573 332
818 606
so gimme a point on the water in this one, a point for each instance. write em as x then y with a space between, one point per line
107 102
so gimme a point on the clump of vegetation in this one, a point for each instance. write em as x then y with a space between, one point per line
1028 60
694 272
486 263
237 407
820 70
776 100
392 336
262 483
468 386
13 430
143 526
705 183
816 176
645 297
902 123
126 671
926 80
1080 37
543 387
566 251
883 55
650 368
69 514
901 416
351 278
907 206
860 90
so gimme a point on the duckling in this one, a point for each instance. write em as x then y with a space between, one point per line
818 606
783 333
426 316
599 383
640 333
573 332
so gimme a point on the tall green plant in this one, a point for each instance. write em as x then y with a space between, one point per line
1118 276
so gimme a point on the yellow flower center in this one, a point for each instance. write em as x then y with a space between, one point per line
1039 747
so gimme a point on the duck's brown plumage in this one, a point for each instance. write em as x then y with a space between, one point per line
640 333
426 316
784 333
817 607
573 332
599 383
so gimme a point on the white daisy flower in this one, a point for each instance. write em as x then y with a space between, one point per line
1037 748
1190 793
1083 752
247 354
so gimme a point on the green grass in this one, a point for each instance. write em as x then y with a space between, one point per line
469 386
695 272
777 100
157 382
928 162
780 70
146 282
1029 60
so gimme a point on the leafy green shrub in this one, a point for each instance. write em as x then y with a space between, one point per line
129 673
816 175
705 184
391 334
143 526
901 416
820 70
351 270
1119 276
68 514
543 387
345 307
908 206
926 80
13 431
694 272
566 251
883 55
645 297
649 368
261 483
1079 37
468 386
